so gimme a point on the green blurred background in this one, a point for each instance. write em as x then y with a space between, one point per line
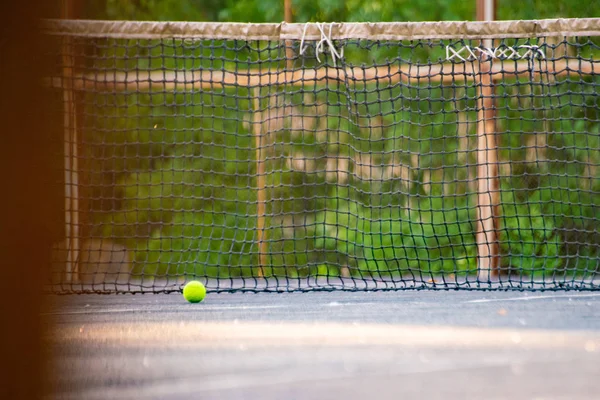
172 174
330 10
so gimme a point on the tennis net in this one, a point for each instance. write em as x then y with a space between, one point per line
285 157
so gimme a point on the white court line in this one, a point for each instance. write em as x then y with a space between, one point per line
533 298
120 310
149 310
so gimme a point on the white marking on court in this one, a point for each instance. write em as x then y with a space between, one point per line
261 307
177 309
527 298
87 312
338 304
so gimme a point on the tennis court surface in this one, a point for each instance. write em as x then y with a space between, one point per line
451 345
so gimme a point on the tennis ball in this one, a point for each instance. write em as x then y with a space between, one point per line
194 292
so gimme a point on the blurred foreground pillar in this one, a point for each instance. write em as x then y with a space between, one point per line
28 223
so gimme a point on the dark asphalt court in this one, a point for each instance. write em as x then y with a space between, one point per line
338 345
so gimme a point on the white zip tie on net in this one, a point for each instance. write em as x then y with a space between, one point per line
325 39
502 52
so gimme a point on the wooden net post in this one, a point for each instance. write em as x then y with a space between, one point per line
71 166
488 186
260 184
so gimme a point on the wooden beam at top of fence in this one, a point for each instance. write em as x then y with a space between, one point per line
444 74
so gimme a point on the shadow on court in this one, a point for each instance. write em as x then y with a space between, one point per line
451 345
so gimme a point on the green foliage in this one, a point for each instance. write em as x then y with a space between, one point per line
332 10
396 241
529 241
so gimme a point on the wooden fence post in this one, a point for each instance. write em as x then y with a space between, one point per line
71 166
488 186
260 184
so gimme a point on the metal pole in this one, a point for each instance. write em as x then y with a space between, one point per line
486 11
288 17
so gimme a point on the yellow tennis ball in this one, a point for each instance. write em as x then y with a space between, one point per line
194 292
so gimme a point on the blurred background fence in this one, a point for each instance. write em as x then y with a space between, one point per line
399 162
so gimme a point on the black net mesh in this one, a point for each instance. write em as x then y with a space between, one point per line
279 166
